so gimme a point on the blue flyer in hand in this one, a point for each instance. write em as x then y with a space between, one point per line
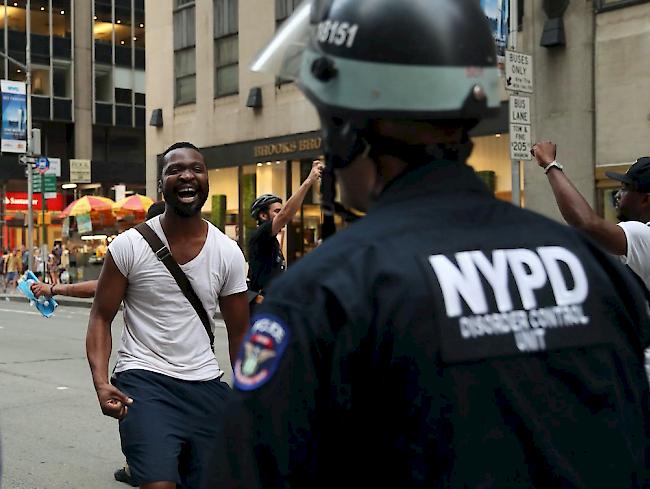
45 305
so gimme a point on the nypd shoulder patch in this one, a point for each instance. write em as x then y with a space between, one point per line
261 352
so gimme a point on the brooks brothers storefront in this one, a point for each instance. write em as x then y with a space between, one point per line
242 171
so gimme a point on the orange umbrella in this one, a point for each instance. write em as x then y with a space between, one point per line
133 203
87 204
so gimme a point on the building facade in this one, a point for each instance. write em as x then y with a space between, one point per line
591 94
258 133
87 62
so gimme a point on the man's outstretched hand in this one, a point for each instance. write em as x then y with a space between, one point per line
316 171
544 152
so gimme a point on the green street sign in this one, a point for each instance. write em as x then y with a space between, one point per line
50 183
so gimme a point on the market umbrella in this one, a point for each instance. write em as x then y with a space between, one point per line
133 203
86 205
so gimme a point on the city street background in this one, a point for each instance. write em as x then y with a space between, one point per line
53 433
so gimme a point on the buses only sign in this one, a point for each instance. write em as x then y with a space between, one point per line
519 72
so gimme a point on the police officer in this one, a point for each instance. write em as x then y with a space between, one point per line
447 339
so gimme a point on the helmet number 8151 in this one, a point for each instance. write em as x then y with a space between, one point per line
337 33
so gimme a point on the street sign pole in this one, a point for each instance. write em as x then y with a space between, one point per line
30 172
29 166
515 164
44 229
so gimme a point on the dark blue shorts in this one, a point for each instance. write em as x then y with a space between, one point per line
169 431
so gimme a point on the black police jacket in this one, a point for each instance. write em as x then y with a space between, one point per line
448 339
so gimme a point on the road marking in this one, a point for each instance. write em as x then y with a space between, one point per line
21 312
61 388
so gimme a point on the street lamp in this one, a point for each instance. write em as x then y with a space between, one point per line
28 161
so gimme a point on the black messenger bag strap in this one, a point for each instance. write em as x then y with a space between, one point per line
164 255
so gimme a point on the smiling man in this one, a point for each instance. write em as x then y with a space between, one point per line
166 388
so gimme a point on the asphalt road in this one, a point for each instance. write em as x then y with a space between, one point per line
53 433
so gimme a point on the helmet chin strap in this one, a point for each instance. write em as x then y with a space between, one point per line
420 154
373 146
330 206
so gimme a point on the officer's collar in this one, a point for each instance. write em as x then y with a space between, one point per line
440 176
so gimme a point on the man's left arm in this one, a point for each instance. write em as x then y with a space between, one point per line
233 301
574 207
234 309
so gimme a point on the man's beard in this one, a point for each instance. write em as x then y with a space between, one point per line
185 210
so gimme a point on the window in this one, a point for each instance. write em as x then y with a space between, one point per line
103 83
226 47
184 54
283 9
62 80
604 5
40 80
61 18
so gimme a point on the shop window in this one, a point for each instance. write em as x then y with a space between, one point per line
226 47
222 207
262 178
184 55
490 158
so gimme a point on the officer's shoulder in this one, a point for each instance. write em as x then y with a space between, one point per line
336 258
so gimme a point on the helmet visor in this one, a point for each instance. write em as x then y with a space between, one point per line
282 57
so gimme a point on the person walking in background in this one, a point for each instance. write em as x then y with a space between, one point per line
64 265
12 267
52 269
38 263
166 388
446 339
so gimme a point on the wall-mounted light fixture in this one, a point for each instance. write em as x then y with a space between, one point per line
553 34
254 100
156 118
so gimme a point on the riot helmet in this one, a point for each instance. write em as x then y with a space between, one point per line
358 60
363 60
262 203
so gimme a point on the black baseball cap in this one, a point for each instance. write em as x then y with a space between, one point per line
638 175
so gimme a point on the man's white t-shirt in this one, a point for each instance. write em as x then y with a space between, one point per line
638 249
163 332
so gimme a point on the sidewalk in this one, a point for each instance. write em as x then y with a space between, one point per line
63 301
